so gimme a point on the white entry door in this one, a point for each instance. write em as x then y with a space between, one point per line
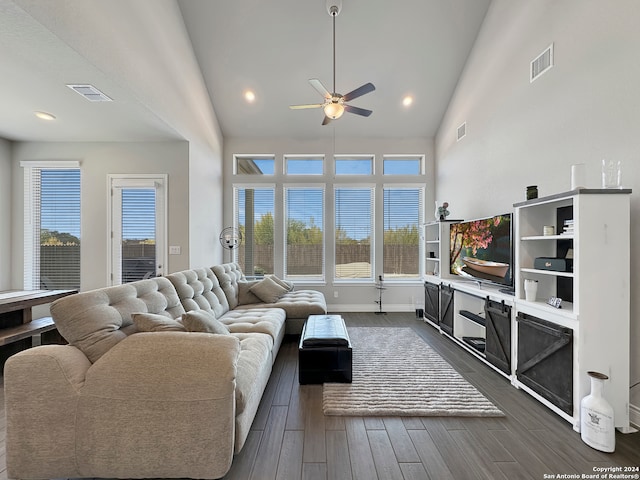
138 232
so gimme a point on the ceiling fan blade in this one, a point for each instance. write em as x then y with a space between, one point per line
310 105
317 84
358 111
326 120
358 92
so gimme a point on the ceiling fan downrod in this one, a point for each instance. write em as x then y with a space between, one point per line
334 11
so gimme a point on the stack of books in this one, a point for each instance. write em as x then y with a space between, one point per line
567 229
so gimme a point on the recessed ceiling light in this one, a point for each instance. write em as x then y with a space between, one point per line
249 96
44 115
407 100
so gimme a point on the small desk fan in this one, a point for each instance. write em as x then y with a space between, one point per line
230 238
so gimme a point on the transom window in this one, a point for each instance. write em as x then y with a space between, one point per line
402 165
354 165
304 165
254 164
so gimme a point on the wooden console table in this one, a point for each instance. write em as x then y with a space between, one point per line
16 321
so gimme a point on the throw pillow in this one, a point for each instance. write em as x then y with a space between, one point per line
153 322
267 290
203 321
245 296
282 283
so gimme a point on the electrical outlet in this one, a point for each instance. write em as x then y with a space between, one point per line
335 294
174 250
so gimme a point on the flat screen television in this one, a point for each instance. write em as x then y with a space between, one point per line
482 249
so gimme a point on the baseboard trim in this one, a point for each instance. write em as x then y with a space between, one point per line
367 307
634 416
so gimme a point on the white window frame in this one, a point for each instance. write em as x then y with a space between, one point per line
255 186
285 194
344 156
421 220
30 221
253 156
372 256
306 156
419 157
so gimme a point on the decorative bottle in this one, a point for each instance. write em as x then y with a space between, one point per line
597 427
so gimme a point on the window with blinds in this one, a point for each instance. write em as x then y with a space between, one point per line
254 216
52 226
304 232
402 216
353 233
138 240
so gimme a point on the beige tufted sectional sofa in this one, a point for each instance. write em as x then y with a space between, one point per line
118 402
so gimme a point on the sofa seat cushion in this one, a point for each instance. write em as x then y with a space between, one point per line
268 321
253 368
97 320
296 304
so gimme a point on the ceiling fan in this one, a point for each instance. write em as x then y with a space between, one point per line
334 104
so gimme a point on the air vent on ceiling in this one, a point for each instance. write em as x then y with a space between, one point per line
462 131
90 92
541 63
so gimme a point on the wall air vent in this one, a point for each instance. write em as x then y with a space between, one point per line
462 131
542 63
90 92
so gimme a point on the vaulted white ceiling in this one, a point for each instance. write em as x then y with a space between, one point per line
404 47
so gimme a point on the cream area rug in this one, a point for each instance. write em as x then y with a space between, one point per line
395 373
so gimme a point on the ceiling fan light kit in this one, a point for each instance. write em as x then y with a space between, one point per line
334 103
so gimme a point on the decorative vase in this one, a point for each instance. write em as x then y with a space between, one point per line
442 211
530 290
611 174
597 428
578 176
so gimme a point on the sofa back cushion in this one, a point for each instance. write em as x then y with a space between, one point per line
229 274
199 289
96 320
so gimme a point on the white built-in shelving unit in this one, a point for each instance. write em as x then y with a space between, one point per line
595 293
593 320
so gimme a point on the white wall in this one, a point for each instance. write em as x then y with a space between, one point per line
97 160
350 297
587 107
5 214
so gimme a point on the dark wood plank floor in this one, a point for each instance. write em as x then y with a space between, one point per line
292 439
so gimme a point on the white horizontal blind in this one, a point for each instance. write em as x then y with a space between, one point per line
353 230
304 233
52 227
138 233
403 214
254 216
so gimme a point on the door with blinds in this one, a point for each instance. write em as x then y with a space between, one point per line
138 232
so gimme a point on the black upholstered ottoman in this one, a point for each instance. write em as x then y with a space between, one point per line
325 351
